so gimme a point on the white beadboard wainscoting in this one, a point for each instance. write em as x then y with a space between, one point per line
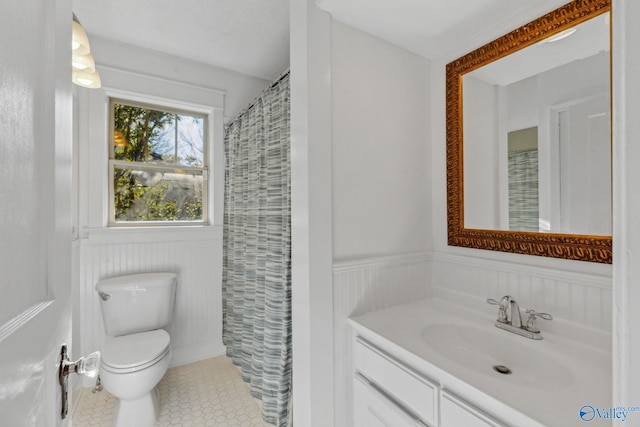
361 286
194 253
581 296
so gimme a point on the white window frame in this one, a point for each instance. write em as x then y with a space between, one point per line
93 151
134 101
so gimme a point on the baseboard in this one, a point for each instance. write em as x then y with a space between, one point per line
195 352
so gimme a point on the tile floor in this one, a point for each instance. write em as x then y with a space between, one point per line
207 393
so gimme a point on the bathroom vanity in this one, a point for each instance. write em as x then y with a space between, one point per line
437 364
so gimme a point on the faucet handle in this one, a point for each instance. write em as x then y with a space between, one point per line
502 311
533 315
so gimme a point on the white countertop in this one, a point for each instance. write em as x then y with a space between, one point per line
398 331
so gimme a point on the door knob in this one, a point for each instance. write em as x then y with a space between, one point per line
87 366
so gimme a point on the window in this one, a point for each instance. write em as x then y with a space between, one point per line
157 165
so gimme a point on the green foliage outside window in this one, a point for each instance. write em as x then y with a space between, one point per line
154 176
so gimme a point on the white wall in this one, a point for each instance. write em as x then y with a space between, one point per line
360 197
481 109
380 120
195 253
381 189
239 89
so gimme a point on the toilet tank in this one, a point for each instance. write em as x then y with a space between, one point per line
137 302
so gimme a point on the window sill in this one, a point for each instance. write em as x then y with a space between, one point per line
151 234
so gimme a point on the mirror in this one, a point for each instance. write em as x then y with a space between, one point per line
529 138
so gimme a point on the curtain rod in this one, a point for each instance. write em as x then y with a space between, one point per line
253 103
284 74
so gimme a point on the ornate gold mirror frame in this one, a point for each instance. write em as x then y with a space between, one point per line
567 246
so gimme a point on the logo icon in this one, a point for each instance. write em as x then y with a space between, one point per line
587 413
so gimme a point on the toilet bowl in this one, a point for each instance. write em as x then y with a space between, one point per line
137 352
132 365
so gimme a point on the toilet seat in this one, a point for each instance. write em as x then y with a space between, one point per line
134 352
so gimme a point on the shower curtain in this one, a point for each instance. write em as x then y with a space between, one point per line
523 191
257 249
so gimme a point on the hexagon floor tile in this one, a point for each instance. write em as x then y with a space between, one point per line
208 393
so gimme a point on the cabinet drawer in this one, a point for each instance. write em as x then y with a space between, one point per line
455 412
373 409
415 391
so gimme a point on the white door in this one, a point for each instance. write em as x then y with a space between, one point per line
35 224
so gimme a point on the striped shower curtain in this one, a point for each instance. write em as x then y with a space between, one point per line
523 191
257 249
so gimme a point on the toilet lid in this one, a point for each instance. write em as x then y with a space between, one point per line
135 350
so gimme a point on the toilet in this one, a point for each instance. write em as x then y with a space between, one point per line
137 352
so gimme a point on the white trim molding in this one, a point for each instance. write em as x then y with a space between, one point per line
362 263
599 277
114 235
122 83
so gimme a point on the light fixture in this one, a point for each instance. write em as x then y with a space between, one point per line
119 140
89 79
561 35
84 67
83 62
79 39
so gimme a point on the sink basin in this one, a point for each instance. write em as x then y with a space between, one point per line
499 354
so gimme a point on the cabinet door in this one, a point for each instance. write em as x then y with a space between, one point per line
374 409
454 412
418 394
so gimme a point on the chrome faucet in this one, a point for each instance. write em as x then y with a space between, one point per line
510 318
514 311
508 306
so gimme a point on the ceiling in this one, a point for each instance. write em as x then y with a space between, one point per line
247 36
433 28
252 36
591 38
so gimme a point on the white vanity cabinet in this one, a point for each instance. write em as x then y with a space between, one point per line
436 362
455 412
403 388
374 408
389 393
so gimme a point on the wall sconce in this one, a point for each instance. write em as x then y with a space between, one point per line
84 66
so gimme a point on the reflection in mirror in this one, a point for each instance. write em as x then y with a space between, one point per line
529 138
561 89
522 179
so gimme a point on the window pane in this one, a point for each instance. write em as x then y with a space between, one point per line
182 141
152 194
160 137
